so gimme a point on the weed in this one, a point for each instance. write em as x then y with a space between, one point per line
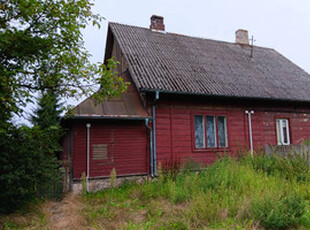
84 183
279 213
113 178
269 191
171 167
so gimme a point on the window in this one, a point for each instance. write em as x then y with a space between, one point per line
210 131
283 132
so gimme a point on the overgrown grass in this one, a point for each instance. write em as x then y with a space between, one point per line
31 217
267 192
264 193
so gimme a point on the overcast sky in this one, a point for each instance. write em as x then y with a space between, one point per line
280 24
283 25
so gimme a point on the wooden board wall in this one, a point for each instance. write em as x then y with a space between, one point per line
127 146
175 128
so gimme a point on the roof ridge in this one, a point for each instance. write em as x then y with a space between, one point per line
190 36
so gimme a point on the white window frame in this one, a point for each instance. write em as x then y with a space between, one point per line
279 124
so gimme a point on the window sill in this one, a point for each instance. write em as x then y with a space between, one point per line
201 150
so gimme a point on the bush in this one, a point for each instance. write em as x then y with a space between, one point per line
294 166
27 160
283 213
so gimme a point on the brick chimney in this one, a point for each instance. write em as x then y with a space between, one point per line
242 37
157 23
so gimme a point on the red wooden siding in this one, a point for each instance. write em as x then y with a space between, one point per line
175 128
128 141
127 145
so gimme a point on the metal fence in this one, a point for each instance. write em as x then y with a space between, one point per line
51 190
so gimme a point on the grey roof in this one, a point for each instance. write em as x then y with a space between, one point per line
176 63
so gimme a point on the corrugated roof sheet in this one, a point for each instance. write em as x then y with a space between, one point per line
127 106
176 63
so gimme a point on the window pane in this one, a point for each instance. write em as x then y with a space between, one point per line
222 131
199 132
279 132
211 141
285 131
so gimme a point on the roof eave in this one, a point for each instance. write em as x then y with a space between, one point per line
222 96
99 117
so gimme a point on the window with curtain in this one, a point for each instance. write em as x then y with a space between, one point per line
210 131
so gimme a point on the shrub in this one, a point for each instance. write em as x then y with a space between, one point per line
171 167
294 166
27 160
264 162
279 213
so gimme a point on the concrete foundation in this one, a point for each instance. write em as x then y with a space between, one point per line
98 184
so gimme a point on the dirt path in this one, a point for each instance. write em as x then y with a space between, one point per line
65 214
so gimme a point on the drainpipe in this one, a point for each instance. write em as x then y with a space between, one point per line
249 113
151 146
154 132
87 158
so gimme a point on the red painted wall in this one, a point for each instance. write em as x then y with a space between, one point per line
127 148
128 141
175 128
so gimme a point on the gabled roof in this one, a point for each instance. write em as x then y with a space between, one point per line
182 64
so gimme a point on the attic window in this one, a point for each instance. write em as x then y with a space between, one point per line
283 134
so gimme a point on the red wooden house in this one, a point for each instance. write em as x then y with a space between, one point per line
189 98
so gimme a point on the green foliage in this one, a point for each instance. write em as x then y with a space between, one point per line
229 194
42 50
48 110
41 47
279 213
292 167
27 159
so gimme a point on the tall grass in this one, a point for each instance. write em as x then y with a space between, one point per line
268 192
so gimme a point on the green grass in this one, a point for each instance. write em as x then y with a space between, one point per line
267 193
242 193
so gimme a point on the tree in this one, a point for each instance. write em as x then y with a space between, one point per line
48 110
42 50
27 160
46 118
41 47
